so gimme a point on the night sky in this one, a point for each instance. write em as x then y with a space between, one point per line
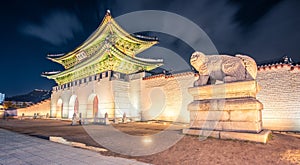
264 29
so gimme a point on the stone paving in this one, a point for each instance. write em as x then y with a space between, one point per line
17 149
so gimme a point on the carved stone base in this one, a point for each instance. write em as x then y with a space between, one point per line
227 111
261 137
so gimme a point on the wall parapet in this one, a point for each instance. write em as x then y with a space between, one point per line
167 76
41 108
269 67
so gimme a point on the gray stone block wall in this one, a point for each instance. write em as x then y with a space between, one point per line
280 95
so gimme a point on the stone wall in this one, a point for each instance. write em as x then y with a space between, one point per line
85 90
116 95
280 89
127 96
166 97
41 108
160 97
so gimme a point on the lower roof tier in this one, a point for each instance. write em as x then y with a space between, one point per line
113 60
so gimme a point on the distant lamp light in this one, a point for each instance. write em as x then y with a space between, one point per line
147 140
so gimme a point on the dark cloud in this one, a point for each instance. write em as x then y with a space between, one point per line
274 35
250 12
205 13
57 28
263 29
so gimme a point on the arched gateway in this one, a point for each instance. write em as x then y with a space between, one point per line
95 107
73 106
59 109
92 108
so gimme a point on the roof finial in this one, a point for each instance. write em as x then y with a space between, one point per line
108 11
287 60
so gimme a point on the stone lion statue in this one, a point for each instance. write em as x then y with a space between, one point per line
215 68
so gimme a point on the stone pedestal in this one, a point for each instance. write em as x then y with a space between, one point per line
74 122
124 118
106 121
74 119
227 111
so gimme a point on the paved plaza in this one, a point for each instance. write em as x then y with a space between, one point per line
16 149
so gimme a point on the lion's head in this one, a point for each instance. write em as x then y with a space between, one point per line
198 60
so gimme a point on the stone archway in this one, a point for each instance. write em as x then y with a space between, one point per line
73 106
95 107
59 109
76 106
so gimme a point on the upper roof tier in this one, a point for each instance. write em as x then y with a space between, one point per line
107 32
